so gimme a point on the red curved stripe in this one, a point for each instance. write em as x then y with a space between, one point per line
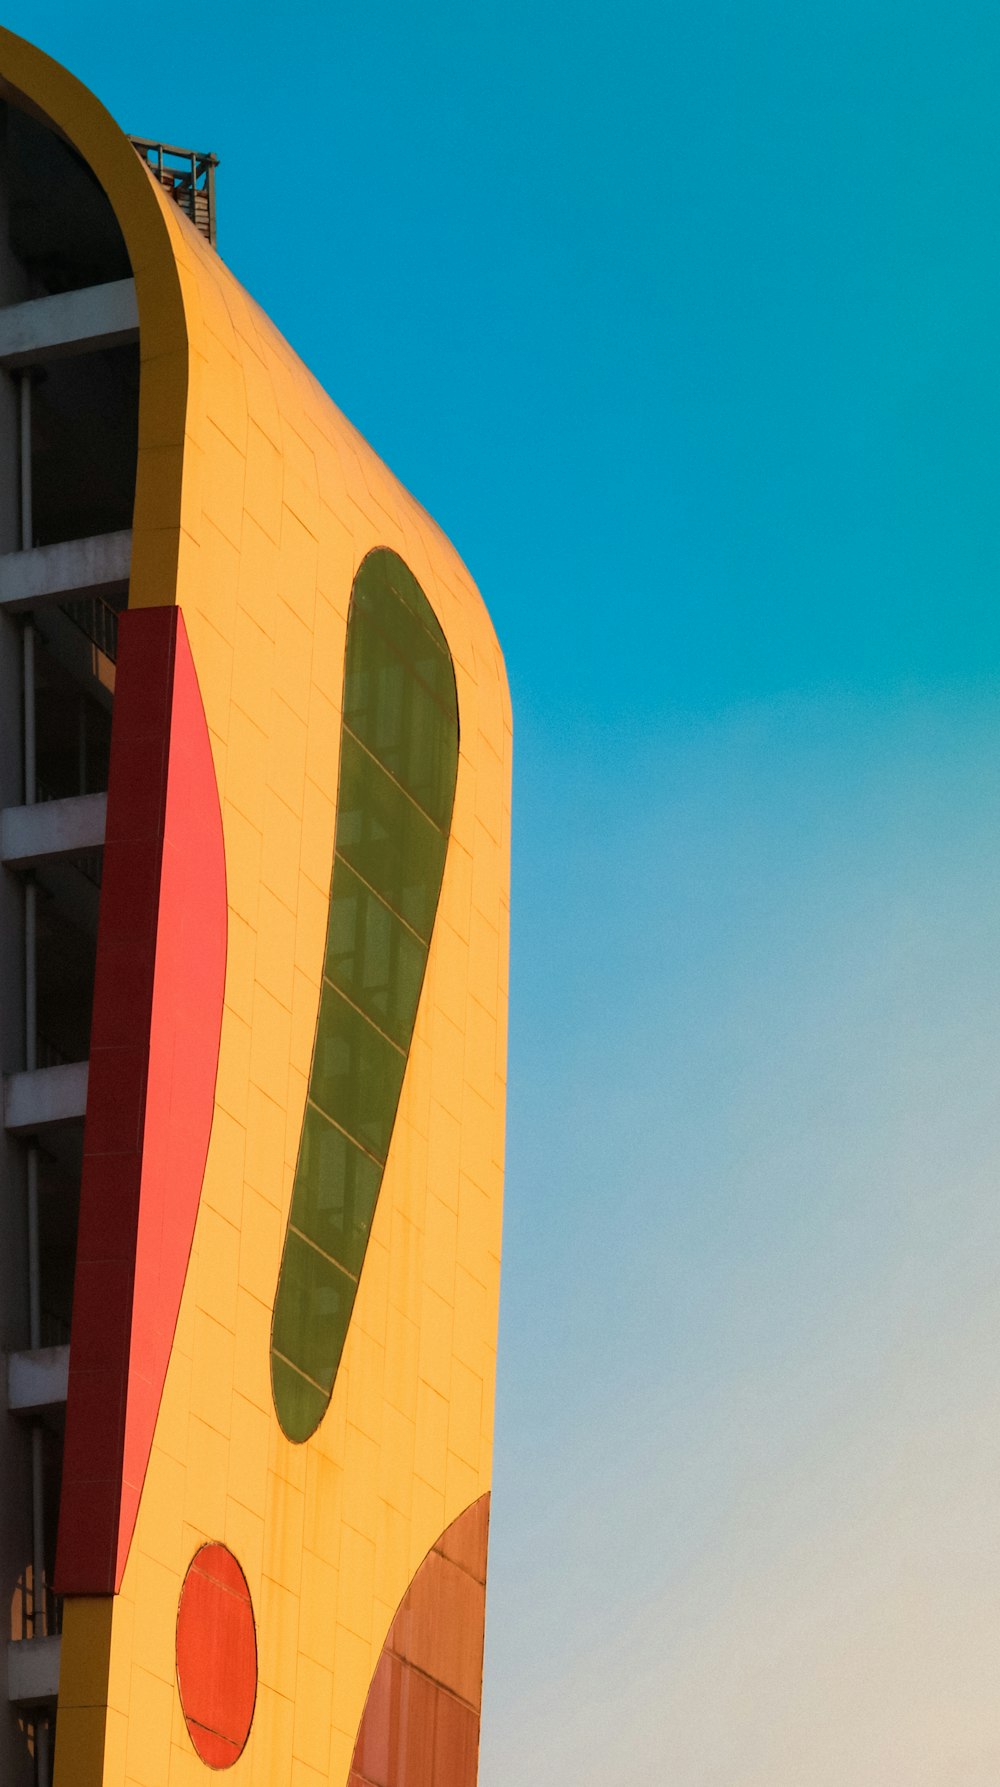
158 992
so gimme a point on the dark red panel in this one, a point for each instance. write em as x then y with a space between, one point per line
420 1726
456 1742
431 1630
371 1752
216 1655
465 1541
158 991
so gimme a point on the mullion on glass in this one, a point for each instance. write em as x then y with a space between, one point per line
372 957
336 1185
357 1073
386 838
400 723
318 1300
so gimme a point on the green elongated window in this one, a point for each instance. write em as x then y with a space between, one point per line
398 764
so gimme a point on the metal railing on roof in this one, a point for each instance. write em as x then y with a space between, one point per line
189 177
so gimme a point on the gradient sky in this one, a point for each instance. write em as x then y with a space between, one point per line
682 319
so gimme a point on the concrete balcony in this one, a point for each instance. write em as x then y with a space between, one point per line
37 1379
66 572
99 316
52 830
47 1096
33 1671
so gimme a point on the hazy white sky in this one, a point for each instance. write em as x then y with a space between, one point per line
752 1425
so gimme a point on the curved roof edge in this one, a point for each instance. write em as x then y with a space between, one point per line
50 92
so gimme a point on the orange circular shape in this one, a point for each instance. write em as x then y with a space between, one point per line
216 1655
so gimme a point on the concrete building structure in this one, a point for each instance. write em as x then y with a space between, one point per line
254 830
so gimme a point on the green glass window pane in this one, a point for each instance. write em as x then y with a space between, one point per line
313 1308
399 720
335 1190
301 1404
381 610
387 840
399 762
356 1074
382 578
372 957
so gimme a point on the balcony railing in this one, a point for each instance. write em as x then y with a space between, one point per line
189 177
98 620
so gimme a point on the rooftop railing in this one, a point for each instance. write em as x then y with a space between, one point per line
189 177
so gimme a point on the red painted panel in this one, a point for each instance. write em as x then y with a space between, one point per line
186 1020
420 1726
219 1565
161 958
216 1655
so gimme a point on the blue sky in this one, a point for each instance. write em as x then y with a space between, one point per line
682 321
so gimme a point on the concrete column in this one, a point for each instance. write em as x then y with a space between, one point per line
16 1765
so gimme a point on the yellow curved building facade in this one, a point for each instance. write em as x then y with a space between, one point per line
256 503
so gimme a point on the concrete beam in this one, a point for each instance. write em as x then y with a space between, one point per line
100 316
33 1670
66 572
52 830
48 1095
37 1378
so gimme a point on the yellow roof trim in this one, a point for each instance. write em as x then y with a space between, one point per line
144 216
